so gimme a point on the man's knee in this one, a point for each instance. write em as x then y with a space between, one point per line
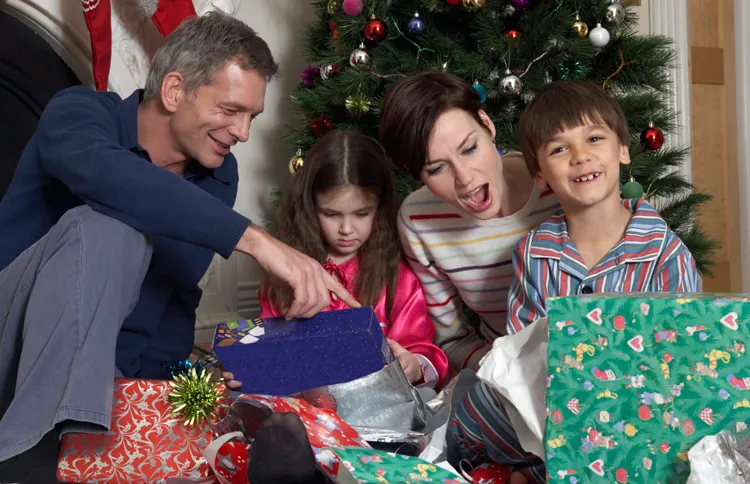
107 234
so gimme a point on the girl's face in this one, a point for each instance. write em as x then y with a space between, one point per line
463 166
346 216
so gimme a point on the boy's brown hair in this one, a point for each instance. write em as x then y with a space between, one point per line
562 105
411 108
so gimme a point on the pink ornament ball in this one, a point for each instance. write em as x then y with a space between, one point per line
352 7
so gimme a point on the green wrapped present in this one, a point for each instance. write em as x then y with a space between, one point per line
635 380
359 465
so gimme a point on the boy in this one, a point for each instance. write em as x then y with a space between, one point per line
574 138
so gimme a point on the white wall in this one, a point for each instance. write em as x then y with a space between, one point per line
644 16
263 159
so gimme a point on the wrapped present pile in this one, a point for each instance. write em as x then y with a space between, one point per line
636 380
185 429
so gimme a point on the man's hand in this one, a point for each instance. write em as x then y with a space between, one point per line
409 362
311 283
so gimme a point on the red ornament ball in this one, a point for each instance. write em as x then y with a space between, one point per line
452 2
490 472
652 137
664 447
375 29
619 322
512 34
320 126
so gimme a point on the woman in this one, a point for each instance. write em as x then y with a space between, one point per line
459 230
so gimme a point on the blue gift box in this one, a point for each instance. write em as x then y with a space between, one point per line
277 357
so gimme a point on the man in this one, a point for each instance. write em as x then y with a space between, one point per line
114 214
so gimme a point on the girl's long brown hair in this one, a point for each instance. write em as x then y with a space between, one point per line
338 159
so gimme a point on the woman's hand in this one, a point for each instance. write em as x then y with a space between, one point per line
409 362
230 382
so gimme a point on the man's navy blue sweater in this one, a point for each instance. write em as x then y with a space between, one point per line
86 150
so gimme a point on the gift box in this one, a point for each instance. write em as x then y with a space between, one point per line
635 380
278 357
146 442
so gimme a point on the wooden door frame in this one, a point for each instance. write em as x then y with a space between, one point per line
742 66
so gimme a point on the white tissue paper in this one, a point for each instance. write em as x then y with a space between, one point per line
517 367
718 459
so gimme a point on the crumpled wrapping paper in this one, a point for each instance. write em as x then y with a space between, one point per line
723 458
517 367
384 407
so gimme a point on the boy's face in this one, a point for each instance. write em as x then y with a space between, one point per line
582 165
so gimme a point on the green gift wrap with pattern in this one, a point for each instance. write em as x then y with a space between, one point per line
635 380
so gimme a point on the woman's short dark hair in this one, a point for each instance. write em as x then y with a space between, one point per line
411 108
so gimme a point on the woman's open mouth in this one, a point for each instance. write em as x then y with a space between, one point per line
479 199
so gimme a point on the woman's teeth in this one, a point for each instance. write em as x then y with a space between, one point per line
477 196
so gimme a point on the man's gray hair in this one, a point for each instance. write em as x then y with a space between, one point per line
199 47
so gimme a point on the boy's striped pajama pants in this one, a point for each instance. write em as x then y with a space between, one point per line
484 433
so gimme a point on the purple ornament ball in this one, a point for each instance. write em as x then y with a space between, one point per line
520 3
416 25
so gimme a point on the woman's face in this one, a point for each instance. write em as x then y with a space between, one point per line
463 166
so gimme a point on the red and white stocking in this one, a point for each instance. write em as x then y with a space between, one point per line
170 13
98 20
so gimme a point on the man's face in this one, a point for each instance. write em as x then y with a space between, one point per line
206 124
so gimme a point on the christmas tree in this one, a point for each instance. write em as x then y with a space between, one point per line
358 49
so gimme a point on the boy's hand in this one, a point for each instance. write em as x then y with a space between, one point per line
230 382
409 362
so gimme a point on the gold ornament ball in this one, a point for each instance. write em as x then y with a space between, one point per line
580 27
357 104
474 5
333 5
296 162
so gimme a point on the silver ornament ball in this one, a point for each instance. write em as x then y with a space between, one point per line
615 13
326 71
359 57
510 83
599 36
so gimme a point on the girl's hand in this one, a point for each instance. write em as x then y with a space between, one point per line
409 362
230 382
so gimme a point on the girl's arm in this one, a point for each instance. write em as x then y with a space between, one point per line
411 327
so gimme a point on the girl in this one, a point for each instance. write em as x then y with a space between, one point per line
340 209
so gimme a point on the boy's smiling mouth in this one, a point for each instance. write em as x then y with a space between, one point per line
587 177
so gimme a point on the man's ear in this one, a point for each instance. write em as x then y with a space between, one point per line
172 91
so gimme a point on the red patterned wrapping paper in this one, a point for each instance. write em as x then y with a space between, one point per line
146 442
